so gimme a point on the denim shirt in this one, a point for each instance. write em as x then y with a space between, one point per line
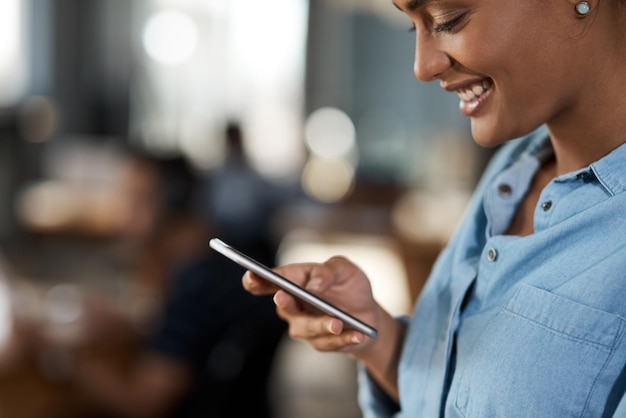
532 326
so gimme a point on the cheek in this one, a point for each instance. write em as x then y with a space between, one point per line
481 47
505 36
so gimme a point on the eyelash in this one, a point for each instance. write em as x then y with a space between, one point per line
449 25
445 26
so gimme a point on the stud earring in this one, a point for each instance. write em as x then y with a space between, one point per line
582 8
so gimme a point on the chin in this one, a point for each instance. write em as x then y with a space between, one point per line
484 137
488 134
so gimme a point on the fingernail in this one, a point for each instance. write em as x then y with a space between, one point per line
249 282
357 338
276 300
331 328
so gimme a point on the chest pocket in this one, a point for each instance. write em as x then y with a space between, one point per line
542 355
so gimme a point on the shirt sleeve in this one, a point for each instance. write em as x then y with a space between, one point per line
373 400
621 408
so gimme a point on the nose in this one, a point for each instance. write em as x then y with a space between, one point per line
430 60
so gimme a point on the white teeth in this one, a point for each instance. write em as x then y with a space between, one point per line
478 90
468 94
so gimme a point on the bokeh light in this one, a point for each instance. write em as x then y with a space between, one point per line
170 37
328 179
329 132
62 303
48 205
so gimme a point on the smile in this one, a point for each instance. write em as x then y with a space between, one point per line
474 96
474 91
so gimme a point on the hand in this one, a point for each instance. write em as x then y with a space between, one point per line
339 282
342 283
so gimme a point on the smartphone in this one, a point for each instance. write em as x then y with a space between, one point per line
290 287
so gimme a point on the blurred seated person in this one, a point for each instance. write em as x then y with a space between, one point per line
242 203
159 231
211 348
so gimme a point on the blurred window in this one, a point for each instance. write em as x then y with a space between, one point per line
12 51
208 61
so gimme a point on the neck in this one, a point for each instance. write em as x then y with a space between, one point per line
589 131
595 123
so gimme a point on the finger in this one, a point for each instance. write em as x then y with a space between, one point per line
304 323
323 276
299 273
286 304
304 326
324 333
347 341
321 331
256 285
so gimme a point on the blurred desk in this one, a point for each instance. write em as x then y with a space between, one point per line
26 393
39 384
59 290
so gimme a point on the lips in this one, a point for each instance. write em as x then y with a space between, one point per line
473 96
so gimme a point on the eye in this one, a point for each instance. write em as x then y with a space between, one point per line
449 25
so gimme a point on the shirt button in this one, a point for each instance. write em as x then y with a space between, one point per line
546 205
505 190
585 176
492 254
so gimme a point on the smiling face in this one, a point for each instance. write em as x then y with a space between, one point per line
515 64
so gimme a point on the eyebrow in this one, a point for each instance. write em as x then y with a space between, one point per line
413 5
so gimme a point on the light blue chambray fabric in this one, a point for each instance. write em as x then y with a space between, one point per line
532 326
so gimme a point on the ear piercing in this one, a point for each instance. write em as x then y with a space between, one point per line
582 8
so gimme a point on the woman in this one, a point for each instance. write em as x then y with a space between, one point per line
524 312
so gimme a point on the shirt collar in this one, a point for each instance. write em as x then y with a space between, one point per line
610 170
539 146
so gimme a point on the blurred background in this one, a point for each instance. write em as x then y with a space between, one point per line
349 154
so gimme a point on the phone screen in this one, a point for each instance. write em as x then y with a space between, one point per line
289 286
